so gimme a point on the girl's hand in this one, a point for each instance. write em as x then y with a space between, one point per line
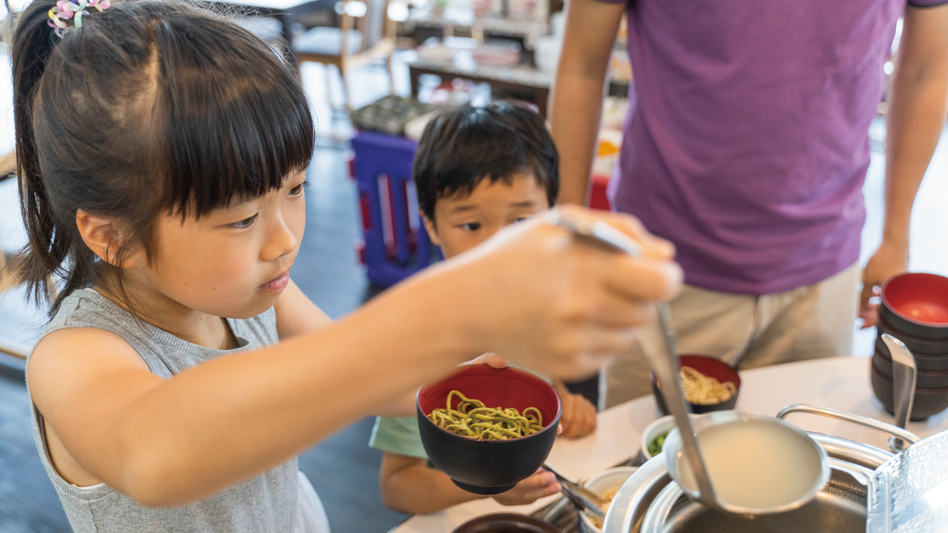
538 485
553 303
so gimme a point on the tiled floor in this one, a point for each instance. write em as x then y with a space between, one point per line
342 468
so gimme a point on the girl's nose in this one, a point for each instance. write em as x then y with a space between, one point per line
281 238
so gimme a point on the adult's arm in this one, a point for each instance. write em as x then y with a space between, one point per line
547 302
915 120
576 106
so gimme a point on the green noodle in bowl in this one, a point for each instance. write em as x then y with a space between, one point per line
496 426
473 419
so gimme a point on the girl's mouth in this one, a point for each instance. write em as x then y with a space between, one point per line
277 284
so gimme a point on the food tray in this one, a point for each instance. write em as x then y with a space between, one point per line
389 114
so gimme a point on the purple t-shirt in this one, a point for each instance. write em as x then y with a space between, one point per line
746 142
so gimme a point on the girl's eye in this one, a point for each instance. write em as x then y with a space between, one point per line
245 223
298 190
521 219
470 226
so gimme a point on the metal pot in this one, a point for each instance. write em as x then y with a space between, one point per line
651 502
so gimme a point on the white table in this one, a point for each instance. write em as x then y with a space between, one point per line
840 383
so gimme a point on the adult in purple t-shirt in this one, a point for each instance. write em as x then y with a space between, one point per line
746 145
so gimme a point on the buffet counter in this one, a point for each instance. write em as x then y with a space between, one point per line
840 383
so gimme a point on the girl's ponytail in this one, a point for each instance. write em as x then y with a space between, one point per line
33 43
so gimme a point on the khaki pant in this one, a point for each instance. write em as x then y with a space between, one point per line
746 331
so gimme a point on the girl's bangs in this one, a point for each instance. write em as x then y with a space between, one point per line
237 127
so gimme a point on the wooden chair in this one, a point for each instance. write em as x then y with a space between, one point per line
365 35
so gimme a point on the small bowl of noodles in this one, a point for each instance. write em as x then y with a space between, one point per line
709 384
488 428
606 484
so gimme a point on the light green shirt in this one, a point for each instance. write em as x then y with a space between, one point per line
398 435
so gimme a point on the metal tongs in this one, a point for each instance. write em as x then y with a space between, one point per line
579 494
666 368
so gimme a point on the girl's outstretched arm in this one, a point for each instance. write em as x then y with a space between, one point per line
531 292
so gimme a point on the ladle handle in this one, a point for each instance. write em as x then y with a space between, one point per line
666 368
897 432
903 382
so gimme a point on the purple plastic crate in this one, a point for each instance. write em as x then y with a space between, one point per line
396 244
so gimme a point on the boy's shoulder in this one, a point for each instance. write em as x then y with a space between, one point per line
398 435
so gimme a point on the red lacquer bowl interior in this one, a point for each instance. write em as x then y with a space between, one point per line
503 387
713 368
919 297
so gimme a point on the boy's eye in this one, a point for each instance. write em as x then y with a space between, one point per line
521 219
470 226
245 223
298 190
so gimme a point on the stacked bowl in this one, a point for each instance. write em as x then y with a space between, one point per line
914 309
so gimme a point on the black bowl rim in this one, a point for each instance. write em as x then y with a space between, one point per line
935 392
896 312
924 379
884 326
926 413
507 517
910 344
552 424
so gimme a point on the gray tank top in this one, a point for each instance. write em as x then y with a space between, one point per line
265 503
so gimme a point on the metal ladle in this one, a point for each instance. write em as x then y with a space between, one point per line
667 370
903 384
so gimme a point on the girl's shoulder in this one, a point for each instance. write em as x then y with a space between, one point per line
86 308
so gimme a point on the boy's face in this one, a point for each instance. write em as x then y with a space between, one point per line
461 221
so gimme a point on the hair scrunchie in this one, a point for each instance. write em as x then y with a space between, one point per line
66 14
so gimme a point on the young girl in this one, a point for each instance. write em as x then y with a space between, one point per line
161 155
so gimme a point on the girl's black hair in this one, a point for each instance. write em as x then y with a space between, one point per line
150 107
463 146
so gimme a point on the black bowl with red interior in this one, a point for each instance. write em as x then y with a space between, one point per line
712 368
489 466
916 304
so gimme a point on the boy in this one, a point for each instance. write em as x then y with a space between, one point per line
476 171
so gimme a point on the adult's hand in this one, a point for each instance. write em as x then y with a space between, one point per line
554 303
887 261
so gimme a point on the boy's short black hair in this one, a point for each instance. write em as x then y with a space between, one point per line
465 145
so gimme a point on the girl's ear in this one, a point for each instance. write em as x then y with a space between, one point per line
432 231
101 235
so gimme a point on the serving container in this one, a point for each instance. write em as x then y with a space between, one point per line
606 480
870 490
